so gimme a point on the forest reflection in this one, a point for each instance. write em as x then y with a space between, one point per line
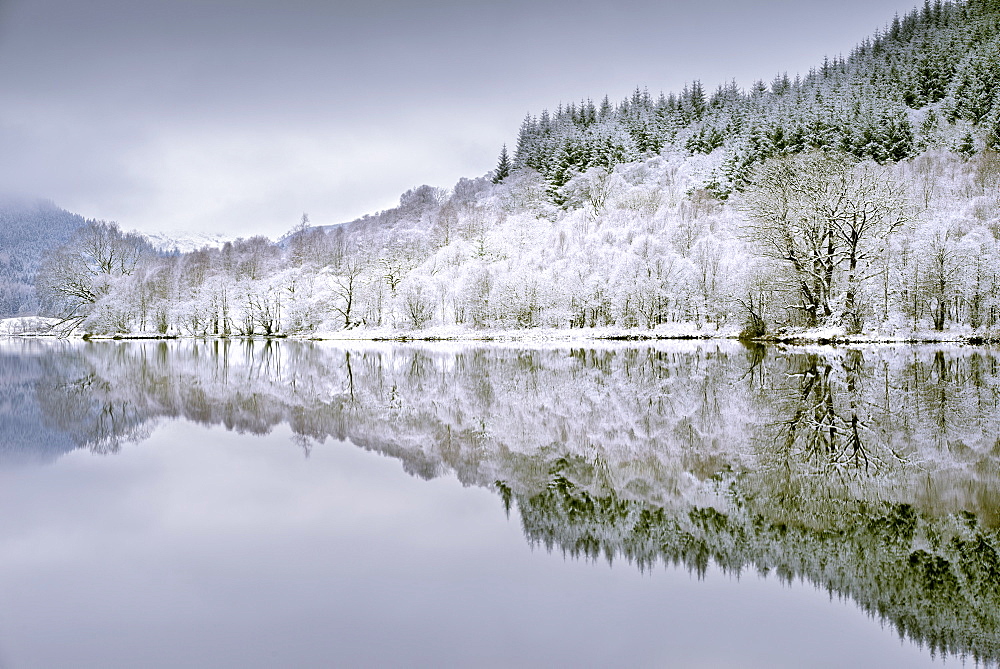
871 472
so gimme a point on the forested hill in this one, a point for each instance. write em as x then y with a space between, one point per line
860 198
930 79
28 229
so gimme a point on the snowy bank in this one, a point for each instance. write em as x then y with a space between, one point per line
25 326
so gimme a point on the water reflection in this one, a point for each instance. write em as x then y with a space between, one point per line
872 473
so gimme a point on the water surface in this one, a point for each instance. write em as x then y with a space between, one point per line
686 504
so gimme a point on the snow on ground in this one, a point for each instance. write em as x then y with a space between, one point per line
824 335
26 325
458 332
837 335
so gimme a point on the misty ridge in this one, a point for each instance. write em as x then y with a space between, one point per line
29 230
870 472
861 198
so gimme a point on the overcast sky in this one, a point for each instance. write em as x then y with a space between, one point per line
236 116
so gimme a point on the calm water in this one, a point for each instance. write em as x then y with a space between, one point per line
311 505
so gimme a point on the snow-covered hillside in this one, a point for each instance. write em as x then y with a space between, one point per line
862 198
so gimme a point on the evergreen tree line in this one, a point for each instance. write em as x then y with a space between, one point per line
930 79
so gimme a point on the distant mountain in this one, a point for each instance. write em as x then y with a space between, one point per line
28 229
185 242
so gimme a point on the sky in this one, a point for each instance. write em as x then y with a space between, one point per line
238 116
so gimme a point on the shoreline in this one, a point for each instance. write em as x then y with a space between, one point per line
804 337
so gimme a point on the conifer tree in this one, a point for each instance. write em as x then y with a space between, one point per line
992 125
503 166
966 145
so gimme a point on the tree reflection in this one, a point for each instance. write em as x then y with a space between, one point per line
851 468
84 407
832 425
934 579
664 419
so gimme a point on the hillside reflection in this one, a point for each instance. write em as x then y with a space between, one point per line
870 472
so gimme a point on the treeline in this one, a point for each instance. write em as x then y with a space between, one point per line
643 246
929 80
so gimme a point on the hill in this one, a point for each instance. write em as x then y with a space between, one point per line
28 229
929 80
863 196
